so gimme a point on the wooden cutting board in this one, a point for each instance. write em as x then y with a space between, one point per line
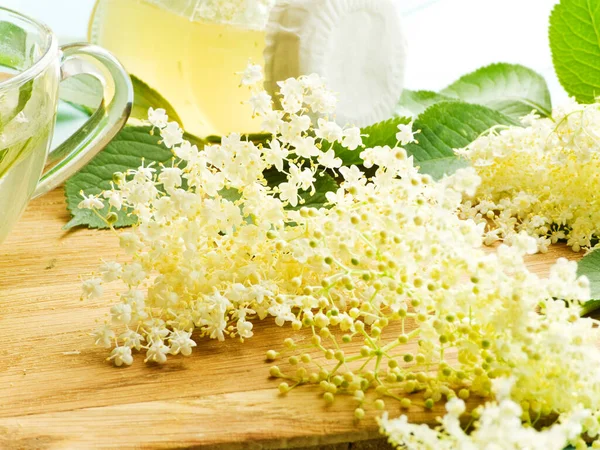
58 392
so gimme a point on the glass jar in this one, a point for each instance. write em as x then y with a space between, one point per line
191 52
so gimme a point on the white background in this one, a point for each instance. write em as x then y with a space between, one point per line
447 38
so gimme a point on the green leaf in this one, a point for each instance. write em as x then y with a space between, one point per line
13 45
124 152
85 91
590 267
379 134
256 138
325 183
448 126
14 102
146 97
444 127
25 92
512 89
413 103
194 140
575 45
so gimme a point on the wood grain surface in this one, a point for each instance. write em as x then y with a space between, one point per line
57 391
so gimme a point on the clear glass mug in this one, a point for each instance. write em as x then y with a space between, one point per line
31 67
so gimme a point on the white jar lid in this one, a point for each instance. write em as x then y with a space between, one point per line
358 46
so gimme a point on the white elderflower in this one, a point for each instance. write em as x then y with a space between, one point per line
291 88
260 102
172 135
132 339
275 154
288 192
321 101
181 342
110 271
158 117
405 134
170 177
352 138
121 313
244 329
114 199
252 75
157 352
330 131
104 336
292 93
329 160
272 122
133 274
305 147
282 314
129 242
90 202
185 151
465 181
92 288
121 355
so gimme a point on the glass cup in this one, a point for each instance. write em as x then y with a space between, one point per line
31 67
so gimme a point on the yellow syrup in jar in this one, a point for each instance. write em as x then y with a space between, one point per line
194 64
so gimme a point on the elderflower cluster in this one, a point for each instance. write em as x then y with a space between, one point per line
498 425
393 287
218 253
542 179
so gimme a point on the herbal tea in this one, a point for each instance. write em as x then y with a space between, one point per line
195 65
21 165
26 121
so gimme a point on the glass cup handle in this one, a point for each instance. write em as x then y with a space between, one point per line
112 114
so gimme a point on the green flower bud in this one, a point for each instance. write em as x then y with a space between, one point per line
359 413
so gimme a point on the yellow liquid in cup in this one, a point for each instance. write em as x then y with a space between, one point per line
194 65
23 145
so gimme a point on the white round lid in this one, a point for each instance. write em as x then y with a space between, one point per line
358 46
